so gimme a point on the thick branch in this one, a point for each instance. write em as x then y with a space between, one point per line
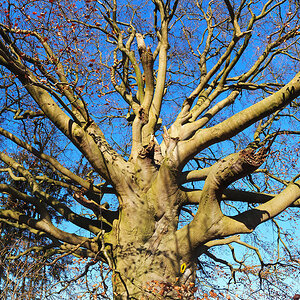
102 157
161 73
247 221
49 228
204 227
147 62
195 175
88 224
238 122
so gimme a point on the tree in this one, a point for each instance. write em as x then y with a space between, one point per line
27 274
24 276
170 108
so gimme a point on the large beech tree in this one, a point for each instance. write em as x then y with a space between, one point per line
182 114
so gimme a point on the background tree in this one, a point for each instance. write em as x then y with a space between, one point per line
24 273
182 115
25 276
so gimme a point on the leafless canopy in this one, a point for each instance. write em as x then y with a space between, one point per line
183 115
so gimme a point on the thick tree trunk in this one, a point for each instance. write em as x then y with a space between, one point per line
146 259
144 273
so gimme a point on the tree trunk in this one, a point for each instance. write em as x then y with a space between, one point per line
148 277
144 273
146 261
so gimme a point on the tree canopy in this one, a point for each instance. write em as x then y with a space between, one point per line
150 135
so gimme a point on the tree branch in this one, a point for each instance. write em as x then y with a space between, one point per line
247 221
238 122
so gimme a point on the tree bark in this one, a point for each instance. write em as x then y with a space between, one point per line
147 262
147 259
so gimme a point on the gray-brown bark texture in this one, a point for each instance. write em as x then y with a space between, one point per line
65 87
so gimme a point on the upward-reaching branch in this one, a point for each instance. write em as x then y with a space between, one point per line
79 134
238 122
154 113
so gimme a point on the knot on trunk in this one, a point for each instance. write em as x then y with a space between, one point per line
152 151
237 165
148 151
252 158
143 116
256 159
